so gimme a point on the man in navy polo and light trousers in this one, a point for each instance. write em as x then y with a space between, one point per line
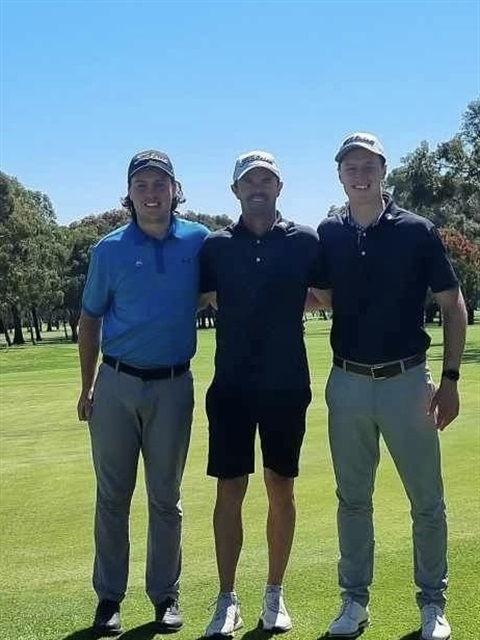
379 260
139 305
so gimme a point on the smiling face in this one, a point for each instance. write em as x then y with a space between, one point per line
151 192
258 191
361 173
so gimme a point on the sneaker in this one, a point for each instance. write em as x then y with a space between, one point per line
434 623
351 619
107 618
274 616
226 619
168 618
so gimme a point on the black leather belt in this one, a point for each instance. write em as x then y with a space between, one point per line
161 373
380 371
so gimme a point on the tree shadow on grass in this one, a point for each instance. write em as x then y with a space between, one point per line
142 632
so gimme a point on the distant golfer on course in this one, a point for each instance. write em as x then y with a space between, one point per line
379 261
140 303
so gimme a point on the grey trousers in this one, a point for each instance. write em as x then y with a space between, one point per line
130 417
360 409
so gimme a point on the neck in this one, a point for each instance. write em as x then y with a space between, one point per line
259 223
156 229
367 212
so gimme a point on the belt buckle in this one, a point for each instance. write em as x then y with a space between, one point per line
375 367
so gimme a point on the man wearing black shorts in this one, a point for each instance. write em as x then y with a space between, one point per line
259 270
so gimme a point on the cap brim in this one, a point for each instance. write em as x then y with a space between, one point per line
153 165
255 165
356 145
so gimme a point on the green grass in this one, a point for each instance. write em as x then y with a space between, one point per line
47 497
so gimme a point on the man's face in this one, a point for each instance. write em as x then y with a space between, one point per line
152 192
257 190
361 173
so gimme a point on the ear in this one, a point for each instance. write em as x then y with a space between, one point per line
234 188
280 187
384 171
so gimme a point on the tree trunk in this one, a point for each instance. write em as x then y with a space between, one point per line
4 330
36 324
17 326
470 314
30 329
73 318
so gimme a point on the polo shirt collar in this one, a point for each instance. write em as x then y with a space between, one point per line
139 236
389 212
279 225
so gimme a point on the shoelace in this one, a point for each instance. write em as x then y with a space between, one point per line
345 604
432 612
274 602
222 603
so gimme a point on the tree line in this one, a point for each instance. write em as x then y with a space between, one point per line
43 265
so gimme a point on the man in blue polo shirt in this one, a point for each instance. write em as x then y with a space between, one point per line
260 269
139 306
379 260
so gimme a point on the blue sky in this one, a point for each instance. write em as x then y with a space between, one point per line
87 84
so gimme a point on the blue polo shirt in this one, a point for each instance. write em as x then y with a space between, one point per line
146 291
379 278
261 285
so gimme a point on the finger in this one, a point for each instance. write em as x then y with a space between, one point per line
433 405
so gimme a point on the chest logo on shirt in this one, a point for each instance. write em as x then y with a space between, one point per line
138 262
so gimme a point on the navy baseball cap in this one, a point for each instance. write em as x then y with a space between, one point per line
150 159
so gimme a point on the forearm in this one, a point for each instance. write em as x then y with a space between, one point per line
318 299
88 348
454 333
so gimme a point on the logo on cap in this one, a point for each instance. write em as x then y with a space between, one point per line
253 159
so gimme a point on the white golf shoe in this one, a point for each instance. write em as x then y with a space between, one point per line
351 619
434 623
226 619
274 616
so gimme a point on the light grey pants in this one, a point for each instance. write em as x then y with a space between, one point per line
131 416
360 409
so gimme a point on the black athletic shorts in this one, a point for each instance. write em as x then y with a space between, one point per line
233 416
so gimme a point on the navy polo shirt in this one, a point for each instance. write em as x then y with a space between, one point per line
379 278
146 291
261 285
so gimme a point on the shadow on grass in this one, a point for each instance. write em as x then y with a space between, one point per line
142 632
413 635
253 634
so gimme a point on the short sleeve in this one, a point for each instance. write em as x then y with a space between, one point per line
441 275
208 281
96 294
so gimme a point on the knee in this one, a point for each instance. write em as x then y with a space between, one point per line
231 492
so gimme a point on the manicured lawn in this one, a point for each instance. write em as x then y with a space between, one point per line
47 497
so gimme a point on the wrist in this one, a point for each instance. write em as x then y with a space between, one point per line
451 374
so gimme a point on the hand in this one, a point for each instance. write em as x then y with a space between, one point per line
84 406
445 404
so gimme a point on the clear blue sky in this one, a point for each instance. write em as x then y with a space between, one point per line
87 84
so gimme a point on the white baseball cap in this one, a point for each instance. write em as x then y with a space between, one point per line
360 140
253 159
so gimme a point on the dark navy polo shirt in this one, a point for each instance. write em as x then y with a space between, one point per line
146 291
261 285
379 278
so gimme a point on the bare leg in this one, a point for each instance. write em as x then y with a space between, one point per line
228 528
280 524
